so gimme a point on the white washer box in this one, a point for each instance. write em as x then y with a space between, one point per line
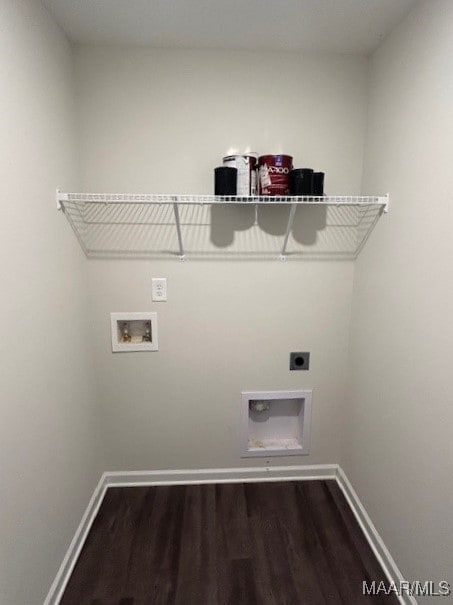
137 324
282 428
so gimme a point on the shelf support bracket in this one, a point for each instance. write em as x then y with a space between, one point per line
58 196
178 229
386 207
292 214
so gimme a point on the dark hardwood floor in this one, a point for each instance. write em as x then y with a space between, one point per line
276 543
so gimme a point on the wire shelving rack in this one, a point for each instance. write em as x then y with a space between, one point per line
208 226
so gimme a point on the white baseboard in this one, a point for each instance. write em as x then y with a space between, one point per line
223 475
64 573
375 541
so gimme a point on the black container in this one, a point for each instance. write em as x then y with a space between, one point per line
225 179
318 183
301 181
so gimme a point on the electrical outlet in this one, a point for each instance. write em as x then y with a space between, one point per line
299 361
159 289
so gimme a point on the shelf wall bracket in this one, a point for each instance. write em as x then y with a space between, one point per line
292 214
178 230
58 197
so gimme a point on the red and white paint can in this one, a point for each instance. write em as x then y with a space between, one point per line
246 165
274 174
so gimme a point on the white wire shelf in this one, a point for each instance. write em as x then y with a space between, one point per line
208 226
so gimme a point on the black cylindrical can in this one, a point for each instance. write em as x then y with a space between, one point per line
225 178
318 183
301 181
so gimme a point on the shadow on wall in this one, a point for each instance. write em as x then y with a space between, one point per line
272 219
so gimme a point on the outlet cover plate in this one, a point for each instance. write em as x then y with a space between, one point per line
159 289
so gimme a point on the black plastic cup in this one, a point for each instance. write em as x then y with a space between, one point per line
225 179
318 183
301 181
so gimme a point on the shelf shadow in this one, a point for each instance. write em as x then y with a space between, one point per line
272 219
225 220
307 224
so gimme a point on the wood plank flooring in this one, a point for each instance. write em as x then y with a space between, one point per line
276 543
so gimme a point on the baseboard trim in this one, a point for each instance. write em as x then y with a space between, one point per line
223 475
64 573
375 541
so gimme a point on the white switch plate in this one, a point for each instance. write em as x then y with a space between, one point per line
159 289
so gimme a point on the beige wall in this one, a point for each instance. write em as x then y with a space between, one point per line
400 418
47 437
160 121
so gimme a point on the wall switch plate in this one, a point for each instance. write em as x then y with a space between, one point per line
159 289
299 361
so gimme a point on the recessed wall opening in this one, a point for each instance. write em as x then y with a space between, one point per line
134 332
276 423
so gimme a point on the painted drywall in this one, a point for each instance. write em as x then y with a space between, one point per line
47 457
346 27
400 419
160 121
